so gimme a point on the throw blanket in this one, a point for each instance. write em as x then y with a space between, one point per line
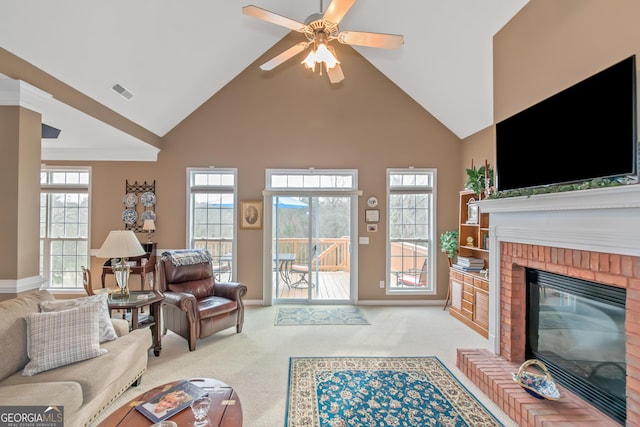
187 256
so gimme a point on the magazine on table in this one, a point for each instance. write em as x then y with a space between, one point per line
171 401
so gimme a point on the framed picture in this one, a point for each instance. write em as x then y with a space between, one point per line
472 216
251 215
372 215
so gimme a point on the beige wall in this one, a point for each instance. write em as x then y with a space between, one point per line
479 147
20 188
9 135
290 118
550 45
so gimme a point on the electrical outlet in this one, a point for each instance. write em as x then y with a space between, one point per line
381 284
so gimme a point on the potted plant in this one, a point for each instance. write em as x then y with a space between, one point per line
449 244
477 179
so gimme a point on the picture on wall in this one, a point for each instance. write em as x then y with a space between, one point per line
251 215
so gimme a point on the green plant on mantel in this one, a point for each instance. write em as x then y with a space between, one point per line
594 183
449 244
477 179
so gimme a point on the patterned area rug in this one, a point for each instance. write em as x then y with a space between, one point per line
320 316
379 391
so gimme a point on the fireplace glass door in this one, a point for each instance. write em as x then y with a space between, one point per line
577 328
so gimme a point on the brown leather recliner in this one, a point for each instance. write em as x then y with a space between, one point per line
195 305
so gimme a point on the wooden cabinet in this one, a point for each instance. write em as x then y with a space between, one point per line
470 300
469 290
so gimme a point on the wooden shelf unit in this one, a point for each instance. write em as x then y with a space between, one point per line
470 300
470 290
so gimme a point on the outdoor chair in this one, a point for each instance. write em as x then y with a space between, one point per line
302 269
414 278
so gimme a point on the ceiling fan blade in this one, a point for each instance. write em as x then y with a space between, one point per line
287 54
359 38
337 9
335 74
274 18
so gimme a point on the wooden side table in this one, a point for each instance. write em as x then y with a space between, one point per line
225 411
134 303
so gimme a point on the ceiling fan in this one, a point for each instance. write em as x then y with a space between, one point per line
320 29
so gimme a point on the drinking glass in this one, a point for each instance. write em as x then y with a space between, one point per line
200 408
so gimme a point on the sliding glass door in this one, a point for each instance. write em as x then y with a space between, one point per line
311 248
311 242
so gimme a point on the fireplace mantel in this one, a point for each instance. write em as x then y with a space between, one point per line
603 220
624 196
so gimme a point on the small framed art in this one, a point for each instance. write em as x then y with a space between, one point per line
472 216
251 215
372 215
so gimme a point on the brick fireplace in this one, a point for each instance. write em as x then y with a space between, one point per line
588 234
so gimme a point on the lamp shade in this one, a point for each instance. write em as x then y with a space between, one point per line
121 244
149 225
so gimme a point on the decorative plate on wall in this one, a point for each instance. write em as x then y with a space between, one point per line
129 216
148 199
148 215
130 200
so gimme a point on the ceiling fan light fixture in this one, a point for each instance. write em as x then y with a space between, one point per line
323 54
320 53
310 61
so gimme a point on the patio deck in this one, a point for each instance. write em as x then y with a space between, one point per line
334 285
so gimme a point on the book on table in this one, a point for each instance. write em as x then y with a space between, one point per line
171 401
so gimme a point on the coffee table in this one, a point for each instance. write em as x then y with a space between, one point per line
225 411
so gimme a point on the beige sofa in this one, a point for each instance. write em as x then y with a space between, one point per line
83 388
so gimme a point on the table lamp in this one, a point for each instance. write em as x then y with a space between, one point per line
149 226
121 244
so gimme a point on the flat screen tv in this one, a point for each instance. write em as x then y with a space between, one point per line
584 132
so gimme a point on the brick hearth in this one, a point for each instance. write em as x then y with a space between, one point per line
492 372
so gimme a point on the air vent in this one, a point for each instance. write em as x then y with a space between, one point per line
49 132
122 91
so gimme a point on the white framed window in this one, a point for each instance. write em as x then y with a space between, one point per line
212 216
312 180
65 210
411 227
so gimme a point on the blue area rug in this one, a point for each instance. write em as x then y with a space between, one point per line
320 316
379 391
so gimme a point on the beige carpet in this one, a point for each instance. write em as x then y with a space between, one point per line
256 362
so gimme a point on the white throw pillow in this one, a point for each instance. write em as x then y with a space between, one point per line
107 332
62 337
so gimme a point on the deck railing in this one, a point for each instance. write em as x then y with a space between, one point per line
333 254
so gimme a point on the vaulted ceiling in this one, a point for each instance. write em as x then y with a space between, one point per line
174 55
